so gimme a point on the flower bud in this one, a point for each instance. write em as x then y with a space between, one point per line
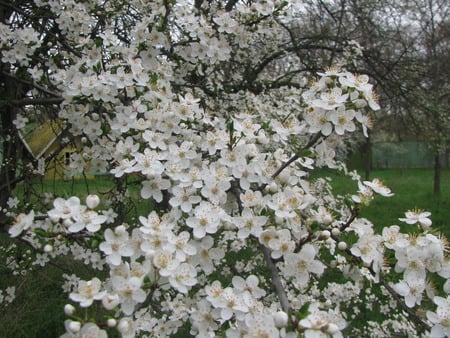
279 220
123 326
342 246
54 219
325 234
332 328
272 188
92 201
74 326
68 222
280 319
48 248
69 309
111 322
109 302
335 231
327 219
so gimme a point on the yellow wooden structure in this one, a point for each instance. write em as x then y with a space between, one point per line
44 142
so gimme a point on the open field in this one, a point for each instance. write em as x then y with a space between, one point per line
38 309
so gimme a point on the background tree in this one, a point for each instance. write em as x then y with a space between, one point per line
426 91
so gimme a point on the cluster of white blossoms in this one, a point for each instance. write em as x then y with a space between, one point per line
7 296
19 44
217 176
337 101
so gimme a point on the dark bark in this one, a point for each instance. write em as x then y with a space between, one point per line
11 146
437 174
367 156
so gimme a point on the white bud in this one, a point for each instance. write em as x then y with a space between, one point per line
54 219
272 188
367 264
69 309
74 326
279 220
327 219
123 326
92 201
332 328
280 319
48 248
84 139
68 222
325 234
111 322
342 246
335 231
109 302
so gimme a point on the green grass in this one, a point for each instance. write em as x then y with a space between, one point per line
412 188
38 308
79 187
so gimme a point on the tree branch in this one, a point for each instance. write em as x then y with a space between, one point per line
230 4
311 142
276 280
32 84
43 101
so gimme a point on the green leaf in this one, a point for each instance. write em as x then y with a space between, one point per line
40 232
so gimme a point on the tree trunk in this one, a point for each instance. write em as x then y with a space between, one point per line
367 156
437 174
10 147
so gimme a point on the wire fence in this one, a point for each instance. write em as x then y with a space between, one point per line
407 154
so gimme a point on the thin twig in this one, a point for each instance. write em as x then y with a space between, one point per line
276 280
310 143
32 84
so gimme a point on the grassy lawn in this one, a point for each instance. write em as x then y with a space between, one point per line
38 309
413 189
